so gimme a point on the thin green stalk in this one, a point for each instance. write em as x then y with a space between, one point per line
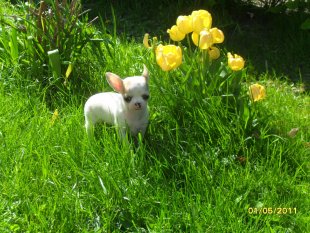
160 87
189 44
114 23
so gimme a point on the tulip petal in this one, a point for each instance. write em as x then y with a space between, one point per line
175 34
195 38
205 39
201 20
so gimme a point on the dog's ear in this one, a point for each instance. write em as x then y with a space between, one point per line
115 82
145 73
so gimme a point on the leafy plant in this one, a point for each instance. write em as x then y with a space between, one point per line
201 74
48 39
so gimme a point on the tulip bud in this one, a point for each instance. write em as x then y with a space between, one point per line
235 62
214 53
257 92
146 40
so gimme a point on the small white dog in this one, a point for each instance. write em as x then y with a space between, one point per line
126 108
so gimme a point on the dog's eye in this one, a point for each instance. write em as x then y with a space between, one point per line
145 97
127 98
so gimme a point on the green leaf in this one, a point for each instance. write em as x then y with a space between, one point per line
14 45
305 25
54 61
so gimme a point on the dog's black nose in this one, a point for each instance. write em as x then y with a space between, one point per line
138 105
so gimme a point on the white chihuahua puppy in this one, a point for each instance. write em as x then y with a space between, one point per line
125 109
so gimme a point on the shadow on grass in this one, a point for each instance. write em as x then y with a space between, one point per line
272 43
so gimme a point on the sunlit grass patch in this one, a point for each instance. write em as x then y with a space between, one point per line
287 105
202 166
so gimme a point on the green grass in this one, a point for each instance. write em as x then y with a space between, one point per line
197 170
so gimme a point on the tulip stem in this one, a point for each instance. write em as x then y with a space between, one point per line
189 43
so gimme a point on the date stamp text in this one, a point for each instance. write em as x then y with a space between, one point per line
272 210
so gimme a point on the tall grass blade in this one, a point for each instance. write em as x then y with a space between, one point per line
114 22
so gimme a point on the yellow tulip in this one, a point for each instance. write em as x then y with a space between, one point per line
257 92
146 41
204 40
201 20
185 24
168 57
218 35
214 53
235 62
175 34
